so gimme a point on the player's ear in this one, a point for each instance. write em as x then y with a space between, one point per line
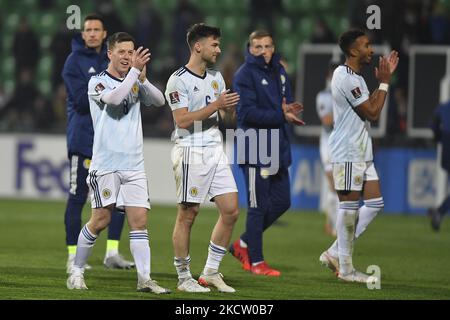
197 47
104 35
353 51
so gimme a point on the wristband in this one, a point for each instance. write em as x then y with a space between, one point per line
383 87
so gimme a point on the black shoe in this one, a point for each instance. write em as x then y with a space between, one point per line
436 219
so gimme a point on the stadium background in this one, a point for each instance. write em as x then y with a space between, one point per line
35 43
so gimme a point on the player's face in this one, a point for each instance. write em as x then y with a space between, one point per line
263 46
93 33
210 49
364 49
120 56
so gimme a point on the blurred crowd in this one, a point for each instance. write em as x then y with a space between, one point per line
27 109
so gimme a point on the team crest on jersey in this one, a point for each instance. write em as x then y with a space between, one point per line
87 163
99 87
357 180
174 97
265 173
356 93
283 79
135 88
193 191
215 85
106 193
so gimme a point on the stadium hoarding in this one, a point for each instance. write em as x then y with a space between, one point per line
36 167
429 86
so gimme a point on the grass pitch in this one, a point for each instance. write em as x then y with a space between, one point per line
414 260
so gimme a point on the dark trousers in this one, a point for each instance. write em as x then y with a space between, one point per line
268 198
79 167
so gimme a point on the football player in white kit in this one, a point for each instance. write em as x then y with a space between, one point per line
117 175
196 94
324 108
350 144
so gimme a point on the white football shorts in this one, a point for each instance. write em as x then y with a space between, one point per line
124 188
350 176
201 172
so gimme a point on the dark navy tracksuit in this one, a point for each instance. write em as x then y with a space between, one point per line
261 88
441 130
79 67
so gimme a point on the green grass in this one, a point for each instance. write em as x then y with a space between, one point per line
414 261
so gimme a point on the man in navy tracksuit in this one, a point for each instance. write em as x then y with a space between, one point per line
266 107
88 58
441 130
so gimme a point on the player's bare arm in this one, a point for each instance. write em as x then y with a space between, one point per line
371 109
184 119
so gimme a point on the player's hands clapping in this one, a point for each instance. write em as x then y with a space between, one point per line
386 67
291 112
143 75
140 58
227 100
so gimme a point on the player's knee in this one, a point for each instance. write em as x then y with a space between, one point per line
231 215
188 213
99 221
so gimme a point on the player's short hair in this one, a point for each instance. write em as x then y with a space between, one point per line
348 38
95 16
199 31
119 37
258 34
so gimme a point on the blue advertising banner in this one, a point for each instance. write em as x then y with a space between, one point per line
407 179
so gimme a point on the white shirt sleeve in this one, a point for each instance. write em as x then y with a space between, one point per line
150 95
353 91
97 87
177 94
99 93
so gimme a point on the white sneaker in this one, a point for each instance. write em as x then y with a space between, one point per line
356 276
76 280
152 286
329 261
70 263
117 261
215 280
191 285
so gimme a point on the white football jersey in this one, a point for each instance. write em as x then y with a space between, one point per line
324 106
186 89
118 141
349 141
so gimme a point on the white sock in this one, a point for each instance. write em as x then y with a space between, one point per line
332 207
86 241
334 249
345 226
242 243
215 256
367 213
183 266
140 249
